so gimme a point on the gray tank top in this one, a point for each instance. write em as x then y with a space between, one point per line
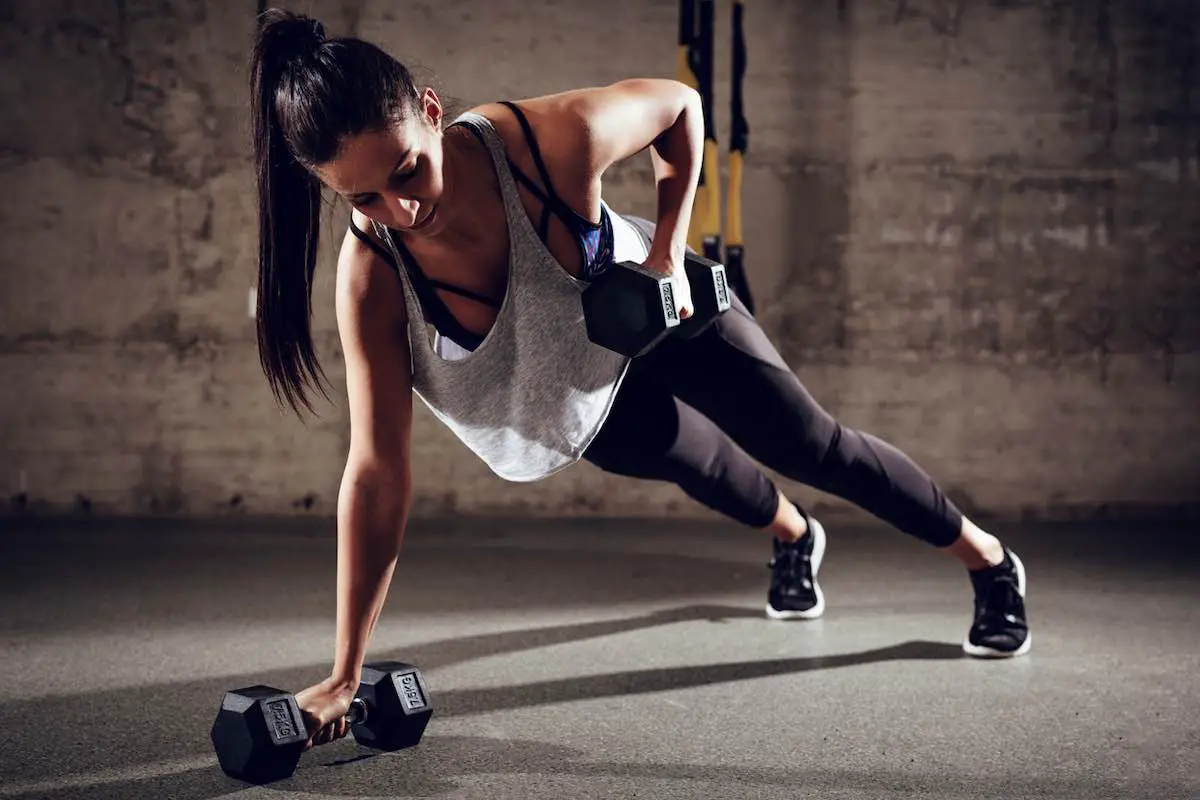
533 395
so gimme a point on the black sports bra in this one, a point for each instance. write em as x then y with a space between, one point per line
595 245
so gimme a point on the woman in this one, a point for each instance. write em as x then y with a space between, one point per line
488 228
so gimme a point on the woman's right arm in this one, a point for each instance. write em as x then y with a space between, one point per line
375 493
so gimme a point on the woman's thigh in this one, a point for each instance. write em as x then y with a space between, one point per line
734 375
652 434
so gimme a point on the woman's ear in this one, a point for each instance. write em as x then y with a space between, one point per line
432 106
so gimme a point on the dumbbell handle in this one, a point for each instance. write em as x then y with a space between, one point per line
359 711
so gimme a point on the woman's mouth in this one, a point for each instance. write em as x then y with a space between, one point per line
425 222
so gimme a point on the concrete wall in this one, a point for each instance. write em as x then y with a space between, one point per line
971 228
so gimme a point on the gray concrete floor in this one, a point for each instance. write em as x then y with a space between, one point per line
614 659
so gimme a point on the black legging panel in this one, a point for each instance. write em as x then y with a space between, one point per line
700 412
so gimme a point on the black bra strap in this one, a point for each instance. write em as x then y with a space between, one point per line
419 279
479 298
524 179
550 200
371 243
534 150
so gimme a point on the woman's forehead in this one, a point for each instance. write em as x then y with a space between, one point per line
363 160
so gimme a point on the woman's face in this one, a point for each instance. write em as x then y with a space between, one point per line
395 177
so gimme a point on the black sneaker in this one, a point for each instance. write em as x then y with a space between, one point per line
1001 629
794 592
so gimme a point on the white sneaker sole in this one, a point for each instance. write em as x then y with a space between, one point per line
987 652
817 531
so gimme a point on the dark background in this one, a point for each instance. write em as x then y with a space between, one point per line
971 228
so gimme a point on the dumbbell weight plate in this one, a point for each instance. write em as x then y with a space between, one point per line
628 309
258 734
399 702
710 294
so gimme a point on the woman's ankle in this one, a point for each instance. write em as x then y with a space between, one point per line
789 524
976 548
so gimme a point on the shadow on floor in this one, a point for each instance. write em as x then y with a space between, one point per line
431 769
458 702
168 721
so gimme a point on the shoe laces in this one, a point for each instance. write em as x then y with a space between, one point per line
789 564
997 603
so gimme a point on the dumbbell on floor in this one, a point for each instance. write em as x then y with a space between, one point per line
629 310
259 733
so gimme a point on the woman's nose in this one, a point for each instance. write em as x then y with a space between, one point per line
405 210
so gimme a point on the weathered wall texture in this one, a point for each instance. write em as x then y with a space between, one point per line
971 228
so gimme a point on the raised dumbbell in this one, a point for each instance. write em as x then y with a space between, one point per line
710 294
629 310
259 733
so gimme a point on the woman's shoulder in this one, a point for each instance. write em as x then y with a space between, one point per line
551 120
552 113
552 126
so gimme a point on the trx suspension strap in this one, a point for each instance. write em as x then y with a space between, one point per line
696 70
738 141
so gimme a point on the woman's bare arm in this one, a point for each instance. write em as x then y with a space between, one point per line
376 487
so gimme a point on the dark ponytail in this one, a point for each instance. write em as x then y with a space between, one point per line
308 93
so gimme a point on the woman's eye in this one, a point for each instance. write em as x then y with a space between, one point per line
403 176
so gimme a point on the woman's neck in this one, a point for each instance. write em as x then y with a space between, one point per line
470 197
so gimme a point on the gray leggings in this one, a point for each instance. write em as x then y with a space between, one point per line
699 413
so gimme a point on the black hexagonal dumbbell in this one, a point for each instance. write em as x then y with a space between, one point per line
710 294
629 309
259 734
399 702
